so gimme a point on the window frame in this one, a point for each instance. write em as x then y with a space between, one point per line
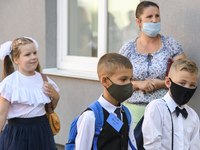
79 63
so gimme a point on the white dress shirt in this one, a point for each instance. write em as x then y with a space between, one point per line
157 126
86 127
25 94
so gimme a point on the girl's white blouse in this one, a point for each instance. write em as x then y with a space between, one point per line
25 94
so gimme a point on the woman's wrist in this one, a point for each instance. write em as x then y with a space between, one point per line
135 85
161 84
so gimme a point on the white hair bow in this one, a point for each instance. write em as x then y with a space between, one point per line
34 41
5 49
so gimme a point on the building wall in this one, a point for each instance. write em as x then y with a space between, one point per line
37 19
24 18
180 20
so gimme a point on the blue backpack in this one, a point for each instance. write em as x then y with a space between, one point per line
138 134
98 112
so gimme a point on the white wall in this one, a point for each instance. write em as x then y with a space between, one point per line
23 18
180 20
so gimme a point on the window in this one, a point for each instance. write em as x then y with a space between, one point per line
121 23
87 29
83 20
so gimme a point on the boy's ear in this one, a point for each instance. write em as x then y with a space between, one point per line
104 81
167 82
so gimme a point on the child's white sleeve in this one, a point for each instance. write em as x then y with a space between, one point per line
85 131
152 127
195 141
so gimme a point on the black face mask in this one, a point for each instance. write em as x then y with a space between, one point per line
181 95
120 92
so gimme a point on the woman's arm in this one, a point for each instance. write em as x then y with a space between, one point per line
182 55
157 83
4 107
148 85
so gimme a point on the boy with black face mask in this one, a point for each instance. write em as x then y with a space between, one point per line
115 73
169 123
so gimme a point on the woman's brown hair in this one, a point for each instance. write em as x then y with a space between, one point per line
144 4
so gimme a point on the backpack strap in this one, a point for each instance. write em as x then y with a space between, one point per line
128 116
138 134
72 134
99 119
99 116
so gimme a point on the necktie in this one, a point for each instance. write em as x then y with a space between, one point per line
118 112
182 111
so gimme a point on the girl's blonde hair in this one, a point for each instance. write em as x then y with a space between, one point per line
8 66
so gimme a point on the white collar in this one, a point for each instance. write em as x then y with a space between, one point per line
107 105
170 102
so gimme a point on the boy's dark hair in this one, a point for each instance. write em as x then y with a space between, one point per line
144 4
110 62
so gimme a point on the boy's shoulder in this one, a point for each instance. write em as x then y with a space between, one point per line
157 106
91 111
157 103
95 112
88 115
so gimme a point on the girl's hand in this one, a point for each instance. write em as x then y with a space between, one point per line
50 90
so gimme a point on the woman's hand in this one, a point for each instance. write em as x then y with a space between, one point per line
148 85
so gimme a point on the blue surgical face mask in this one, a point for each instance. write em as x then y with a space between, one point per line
151 29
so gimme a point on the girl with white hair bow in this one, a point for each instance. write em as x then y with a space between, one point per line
23 96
